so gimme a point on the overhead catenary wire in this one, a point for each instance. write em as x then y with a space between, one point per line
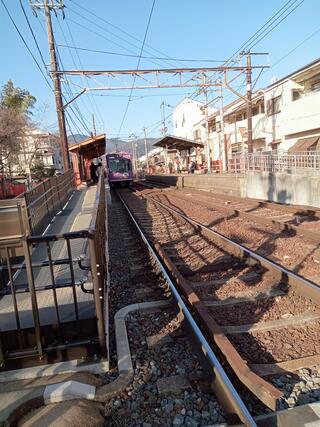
276 25
91 98
135 76
92 102
248 44
137 56
109 40
167 58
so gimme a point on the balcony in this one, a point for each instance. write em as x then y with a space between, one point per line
301 115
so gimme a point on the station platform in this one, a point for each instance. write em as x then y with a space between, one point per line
75 216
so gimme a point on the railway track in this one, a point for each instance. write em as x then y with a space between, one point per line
263 318
304 221
270 237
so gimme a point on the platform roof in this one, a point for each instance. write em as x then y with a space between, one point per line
176 143
95 144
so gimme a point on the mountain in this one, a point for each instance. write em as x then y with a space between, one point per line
115 144
74 139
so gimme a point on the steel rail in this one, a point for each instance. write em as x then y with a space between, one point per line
228 387
274 223
268 394
313 287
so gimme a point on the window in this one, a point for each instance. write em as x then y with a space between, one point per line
255 110
274 105
197 134
295 94
119 165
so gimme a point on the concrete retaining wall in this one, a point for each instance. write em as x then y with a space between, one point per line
225 184
276 187
283 188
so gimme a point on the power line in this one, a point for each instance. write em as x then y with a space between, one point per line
137 56
295 48
26 44
167 58
106 38
276 25
248 44
91 99
74 62
80 118
135 76
32 33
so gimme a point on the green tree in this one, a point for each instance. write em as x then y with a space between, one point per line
19 100
15 111
39 171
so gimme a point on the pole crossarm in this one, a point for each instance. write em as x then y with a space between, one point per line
155 71
155 86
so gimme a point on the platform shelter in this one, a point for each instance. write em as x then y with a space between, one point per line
181 150
83 153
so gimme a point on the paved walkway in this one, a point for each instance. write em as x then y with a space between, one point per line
76 216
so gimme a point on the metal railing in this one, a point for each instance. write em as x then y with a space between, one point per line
295 163
62 272
46 199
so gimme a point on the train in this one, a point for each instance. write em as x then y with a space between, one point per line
119 169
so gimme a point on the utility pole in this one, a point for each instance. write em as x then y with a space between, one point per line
94 125
222 149
249 103
146 147
164 127
207 122
164 132
56 4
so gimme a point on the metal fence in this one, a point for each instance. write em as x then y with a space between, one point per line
34 282
295 163
46 199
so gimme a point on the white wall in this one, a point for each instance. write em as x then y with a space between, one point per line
298 116
186 116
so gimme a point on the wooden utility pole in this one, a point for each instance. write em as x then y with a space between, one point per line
56 78
249 103
146 147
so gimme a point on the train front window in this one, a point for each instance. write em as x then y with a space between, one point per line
119 165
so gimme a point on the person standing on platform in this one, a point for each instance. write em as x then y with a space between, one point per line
192 166
93 173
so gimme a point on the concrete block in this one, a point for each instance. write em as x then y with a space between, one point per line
16 404
68 390
174 384
300 416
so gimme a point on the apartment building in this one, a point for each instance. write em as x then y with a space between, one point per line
286 117
293 110
189 121
39 146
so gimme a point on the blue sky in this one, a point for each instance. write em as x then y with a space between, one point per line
203 29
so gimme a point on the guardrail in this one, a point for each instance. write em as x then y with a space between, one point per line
81 255
295 163
46 199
